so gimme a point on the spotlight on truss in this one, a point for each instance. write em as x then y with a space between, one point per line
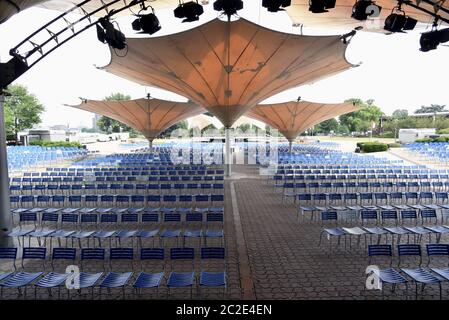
430 40
146 23
228 7
363 9
106 33
319 6
275 5
189 11
397 22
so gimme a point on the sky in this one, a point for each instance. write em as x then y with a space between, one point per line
391 69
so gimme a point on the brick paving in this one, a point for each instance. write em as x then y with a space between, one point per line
285 260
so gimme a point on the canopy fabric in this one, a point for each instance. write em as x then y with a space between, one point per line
292 118
7 9
227 68
150 117
340 16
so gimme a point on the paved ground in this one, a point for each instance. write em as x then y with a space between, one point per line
286 262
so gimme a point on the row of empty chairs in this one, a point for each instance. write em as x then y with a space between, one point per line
113 279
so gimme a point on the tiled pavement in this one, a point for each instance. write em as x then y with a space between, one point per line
285 261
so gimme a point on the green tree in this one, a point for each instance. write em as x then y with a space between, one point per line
109 125
360 120
22 110
244 127
400 114
433 108
327 126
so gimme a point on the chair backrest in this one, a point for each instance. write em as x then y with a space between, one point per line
368 215
329 215
380 250
9 254
50 217
437 249
409 250
28 217
182 253
389 215
34 253
150 217
92 254
214 217
129 217
63 254
172 217
152 254
408 214
194 217
121 254
89 218
109 217
212 253
69 217
428 213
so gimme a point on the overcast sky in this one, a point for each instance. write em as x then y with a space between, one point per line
393 71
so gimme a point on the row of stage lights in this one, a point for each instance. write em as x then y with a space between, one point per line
190 11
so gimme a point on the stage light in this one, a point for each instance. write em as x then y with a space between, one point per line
146 23
398 22
275 5
430 40
228 7
363 9
189 11
319 6
106 33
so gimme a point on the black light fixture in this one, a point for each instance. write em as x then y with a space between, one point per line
106 33
397 22
228 7
275 5
146 23
363 9
319 6
189 11
430 40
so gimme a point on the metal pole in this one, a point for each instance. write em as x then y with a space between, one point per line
290 147
5 206
150 144
228 157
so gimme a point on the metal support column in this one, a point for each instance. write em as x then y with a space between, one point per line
228 156
5 206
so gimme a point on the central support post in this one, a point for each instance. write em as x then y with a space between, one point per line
228 155
5 206
150 145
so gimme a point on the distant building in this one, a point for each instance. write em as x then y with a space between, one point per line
410 135
95 122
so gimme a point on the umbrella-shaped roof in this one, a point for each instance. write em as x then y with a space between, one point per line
229 67
150 117
293 117
340 16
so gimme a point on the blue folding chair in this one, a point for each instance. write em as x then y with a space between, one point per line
213 278
388 275
181 279
150 280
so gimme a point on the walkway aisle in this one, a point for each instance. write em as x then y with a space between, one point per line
285 261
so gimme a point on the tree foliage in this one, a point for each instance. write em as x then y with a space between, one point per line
360 120
109 125
433 108
22 110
